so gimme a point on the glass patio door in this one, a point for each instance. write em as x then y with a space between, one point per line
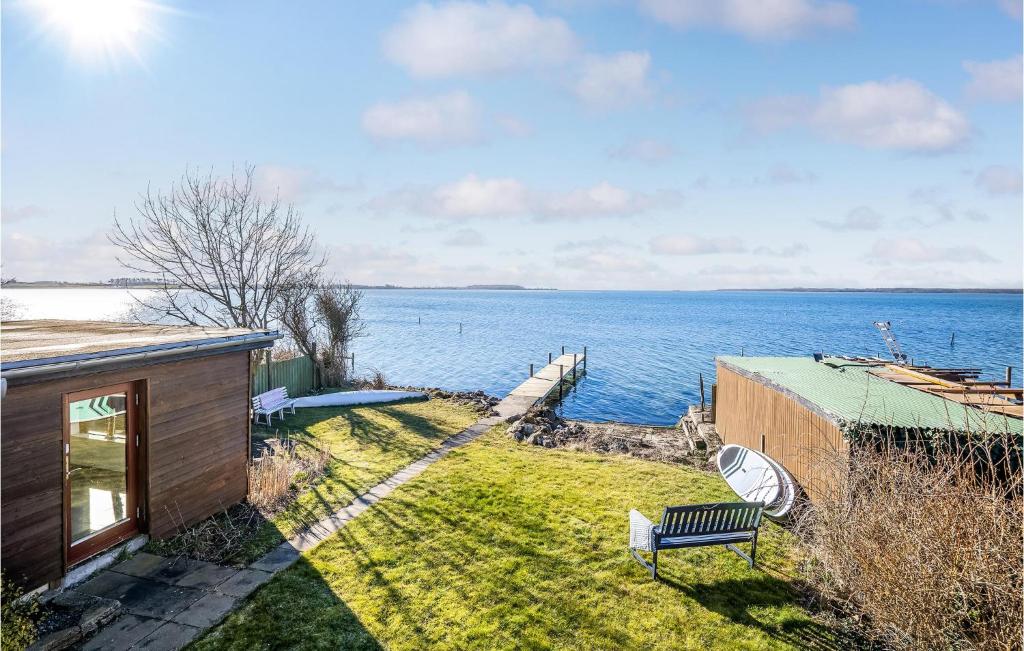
100 451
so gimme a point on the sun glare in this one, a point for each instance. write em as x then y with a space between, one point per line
99 31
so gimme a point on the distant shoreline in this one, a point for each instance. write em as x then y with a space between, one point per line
50 284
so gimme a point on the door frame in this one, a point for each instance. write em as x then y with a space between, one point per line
112 535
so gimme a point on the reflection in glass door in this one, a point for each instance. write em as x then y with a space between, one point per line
100 452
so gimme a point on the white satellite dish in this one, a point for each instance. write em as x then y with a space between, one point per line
757 478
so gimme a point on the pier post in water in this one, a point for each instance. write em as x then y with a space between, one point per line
574 367
561 369
563 350
584 359
531 370
1009 376
549 358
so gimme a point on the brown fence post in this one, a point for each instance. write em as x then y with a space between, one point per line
270 377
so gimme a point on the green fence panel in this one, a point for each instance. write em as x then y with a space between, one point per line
295 373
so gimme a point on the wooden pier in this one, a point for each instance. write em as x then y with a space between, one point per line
542 383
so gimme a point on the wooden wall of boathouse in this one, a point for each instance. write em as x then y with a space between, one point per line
194 449
757 416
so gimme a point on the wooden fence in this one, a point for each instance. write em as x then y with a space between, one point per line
296 374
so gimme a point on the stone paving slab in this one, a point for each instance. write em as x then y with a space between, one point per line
244 582
206 612
169 637
122 633
277 559
142 596
206 576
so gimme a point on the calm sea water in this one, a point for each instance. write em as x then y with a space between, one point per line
646 349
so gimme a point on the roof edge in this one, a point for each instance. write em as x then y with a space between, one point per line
95 361
789 393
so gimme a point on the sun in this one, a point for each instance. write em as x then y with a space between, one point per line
99 31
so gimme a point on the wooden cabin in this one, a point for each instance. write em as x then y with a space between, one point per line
800 411
112 430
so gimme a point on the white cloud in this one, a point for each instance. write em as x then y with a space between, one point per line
614 80
1000 179
860 218
476 197
914 251
783 174
896 114
90 257
645 150
452 118
761 20
999 81
606 262
513 126
294 183
1012 8
788 251
693 245
770 114
467 237
752 271
467 38
10 214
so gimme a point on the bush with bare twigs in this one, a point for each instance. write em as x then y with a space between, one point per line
275 475
377 380
921 542
283 469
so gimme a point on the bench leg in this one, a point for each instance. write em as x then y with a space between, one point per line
748 559
652 568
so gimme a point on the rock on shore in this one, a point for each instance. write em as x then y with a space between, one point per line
542 426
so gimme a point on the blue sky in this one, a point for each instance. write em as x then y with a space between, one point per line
659 144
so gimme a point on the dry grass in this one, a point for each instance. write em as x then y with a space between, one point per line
276 474
276 477
922 543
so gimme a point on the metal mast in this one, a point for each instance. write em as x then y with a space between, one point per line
890 341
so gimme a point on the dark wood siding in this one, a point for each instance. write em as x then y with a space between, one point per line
805 443
194 454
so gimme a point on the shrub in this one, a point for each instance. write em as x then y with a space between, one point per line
922 543
377 380
280 470
17 618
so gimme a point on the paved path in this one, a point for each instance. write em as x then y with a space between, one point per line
168 602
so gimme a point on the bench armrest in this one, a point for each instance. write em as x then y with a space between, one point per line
641 531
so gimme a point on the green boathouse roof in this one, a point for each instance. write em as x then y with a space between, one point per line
846 393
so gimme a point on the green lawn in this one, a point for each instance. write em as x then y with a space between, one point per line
368 445
502 545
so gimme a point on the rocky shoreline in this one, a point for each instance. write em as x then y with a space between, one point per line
478 400
692 442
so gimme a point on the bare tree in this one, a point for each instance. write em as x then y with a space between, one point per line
323 319
223 254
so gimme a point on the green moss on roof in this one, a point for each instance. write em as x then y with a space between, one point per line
846 393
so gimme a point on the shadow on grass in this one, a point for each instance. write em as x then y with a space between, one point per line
303 613
735 599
